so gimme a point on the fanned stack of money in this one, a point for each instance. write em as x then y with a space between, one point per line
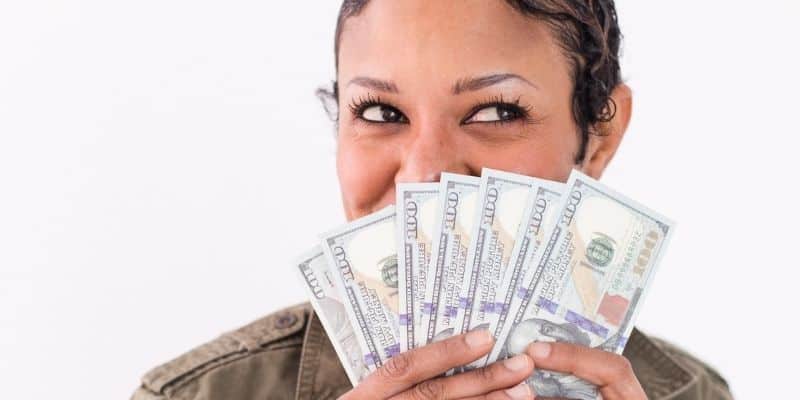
525 258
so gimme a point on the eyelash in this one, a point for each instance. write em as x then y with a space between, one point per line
497 101
360 104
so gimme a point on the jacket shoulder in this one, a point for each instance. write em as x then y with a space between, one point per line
710 383
666 372
259 357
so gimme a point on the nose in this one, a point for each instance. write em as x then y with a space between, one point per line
430 152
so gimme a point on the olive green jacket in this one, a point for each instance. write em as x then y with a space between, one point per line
287 355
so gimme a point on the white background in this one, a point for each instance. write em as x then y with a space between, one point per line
161 162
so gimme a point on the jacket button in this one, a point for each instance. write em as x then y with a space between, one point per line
285 320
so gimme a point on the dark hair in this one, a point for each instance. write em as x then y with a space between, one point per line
589 35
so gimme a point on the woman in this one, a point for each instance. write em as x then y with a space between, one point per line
423 87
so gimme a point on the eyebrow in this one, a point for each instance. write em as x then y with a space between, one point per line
462 85
372 83
480 82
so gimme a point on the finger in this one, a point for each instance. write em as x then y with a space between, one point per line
500 375
518 392
611 372
405 370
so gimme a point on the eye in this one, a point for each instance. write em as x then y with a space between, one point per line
382 113
496 113
374 110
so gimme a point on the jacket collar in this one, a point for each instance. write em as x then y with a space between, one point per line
321 376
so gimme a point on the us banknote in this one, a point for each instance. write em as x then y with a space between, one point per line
599 260
363 254
317 278
417 205
449 256
502 199
538 221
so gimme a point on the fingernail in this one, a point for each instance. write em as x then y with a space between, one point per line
519 392
517 363
478 338
540 350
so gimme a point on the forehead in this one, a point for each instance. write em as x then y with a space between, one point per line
447 40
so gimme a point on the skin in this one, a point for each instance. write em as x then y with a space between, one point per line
430 68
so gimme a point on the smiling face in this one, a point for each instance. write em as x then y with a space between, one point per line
456 85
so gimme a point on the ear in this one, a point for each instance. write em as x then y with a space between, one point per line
607 135
330 101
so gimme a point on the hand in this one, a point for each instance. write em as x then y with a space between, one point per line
610 372
415 375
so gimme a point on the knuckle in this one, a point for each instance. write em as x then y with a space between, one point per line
567 355
622 366
429 390
568 350
486 374
452 347
396 368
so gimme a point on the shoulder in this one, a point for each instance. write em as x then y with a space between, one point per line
258 360
668 372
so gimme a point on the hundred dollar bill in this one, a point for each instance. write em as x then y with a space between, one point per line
317 277
502 199
363 254
599 261
449 255
539 218
416 215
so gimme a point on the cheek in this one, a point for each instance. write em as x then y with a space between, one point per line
543 155
366 176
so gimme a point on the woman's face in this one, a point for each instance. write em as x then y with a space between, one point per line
455 86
